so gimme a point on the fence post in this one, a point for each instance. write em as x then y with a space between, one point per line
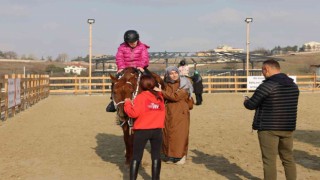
314 81
235 82
209 83
103 84
75 84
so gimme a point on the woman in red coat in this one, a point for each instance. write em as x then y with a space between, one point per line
149 110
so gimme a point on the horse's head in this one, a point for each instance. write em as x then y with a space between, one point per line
123 88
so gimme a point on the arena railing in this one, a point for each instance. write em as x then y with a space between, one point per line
32 89
212 84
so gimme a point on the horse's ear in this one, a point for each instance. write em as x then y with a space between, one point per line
113 79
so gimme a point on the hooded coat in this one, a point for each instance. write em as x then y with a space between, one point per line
177 123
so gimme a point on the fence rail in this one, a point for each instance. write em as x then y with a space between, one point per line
33 88
212 84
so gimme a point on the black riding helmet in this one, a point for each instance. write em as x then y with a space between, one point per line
131 36
182 62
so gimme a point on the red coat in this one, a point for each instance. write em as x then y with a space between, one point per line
132 57
149 111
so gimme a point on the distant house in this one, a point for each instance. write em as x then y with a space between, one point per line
74 69
311 46
222 48
226 48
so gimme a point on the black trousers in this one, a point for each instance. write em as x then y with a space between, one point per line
198 98
141 137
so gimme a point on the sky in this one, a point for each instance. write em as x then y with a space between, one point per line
51 27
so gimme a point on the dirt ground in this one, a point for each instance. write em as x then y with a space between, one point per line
72 137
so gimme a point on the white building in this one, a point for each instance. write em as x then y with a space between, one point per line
226 48
312 46
74 69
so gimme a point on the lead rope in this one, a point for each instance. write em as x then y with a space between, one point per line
134 95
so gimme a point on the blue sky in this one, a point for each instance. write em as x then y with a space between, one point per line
50 27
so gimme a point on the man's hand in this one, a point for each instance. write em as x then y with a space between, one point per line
246 98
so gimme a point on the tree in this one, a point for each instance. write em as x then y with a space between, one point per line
261 51
23 56
31 57
49 58
1 54
10 55
51 68
63 57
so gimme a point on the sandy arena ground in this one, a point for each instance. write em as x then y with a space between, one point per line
73 138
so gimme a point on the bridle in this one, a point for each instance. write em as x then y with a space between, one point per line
134 94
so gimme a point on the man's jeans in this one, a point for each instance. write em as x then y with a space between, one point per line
273 143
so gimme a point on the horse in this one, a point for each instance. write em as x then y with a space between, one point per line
127 86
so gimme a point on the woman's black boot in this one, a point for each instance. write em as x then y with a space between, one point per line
134 168
156 168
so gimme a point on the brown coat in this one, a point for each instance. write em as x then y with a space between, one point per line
177 122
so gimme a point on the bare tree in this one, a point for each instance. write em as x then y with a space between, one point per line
32 57
10 55
63 57
23 57
49 58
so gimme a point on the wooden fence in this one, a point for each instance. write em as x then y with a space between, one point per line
212 84
33 88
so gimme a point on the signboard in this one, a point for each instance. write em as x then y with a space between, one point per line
254 81
18 94
11 93
14 92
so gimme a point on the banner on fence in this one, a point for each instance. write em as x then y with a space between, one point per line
13 92
17 93
254 81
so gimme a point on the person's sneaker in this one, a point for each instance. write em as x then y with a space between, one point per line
110 107
181 161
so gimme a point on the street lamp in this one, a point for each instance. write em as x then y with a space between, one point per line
90 22
248 20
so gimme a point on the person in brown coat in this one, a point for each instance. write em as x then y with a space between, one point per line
176 131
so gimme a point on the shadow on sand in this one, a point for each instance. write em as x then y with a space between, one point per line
306 160
221 165
308 136
110 148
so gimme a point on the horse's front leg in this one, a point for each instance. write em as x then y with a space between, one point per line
128 140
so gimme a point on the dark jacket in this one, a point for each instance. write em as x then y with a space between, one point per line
275 102
197 84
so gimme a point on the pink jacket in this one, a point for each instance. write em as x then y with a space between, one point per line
132 57
184 70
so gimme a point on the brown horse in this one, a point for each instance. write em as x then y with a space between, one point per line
127 87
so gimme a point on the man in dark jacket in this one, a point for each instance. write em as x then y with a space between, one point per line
197 87
275 102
